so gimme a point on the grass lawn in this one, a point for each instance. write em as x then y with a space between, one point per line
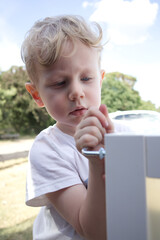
16 219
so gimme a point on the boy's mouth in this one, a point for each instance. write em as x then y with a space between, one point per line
79 111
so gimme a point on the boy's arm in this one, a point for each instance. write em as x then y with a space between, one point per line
85 209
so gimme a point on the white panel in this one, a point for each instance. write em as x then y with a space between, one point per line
125 187
153 156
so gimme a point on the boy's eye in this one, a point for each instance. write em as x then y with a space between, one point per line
85 78
59 84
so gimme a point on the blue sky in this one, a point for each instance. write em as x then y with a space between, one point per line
131 27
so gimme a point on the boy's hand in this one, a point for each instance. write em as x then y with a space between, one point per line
90 131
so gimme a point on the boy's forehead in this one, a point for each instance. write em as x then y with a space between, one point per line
70 47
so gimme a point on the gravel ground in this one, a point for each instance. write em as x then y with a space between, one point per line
12 149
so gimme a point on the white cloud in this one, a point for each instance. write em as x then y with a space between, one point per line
85 4
128 21
147 75
10 55
9 50
148 82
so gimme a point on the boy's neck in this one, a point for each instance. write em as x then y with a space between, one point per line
70 130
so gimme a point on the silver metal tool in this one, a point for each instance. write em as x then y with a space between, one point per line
101 153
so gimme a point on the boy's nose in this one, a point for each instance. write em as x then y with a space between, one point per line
76 91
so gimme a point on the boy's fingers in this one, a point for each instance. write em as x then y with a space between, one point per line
109 124
91 131
94 112
91 121
104 110
88 141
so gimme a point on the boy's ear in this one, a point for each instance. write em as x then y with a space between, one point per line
30 87
102 76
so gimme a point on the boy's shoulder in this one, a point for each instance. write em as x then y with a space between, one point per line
53 132
45 133
52 138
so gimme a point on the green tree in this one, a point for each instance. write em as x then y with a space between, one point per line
5 114
18 111
127 79
118 93
147 105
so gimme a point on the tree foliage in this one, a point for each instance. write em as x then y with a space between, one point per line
18 112
118 93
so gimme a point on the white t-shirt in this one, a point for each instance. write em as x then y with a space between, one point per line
54 164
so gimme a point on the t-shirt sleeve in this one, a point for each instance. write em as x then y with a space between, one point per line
49 170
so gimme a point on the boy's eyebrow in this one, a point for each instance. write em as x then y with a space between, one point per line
59 74
50 79
49 75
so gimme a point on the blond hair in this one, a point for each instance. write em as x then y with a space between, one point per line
43 42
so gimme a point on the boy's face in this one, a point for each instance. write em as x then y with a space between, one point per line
71 85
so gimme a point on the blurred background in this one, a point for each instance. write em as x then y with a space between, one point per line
132 82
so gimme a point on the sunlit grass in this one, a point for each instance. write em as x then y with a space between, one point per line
21 231
16 219
153 202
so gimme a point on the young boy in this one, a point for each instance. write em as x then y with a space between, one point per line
62 58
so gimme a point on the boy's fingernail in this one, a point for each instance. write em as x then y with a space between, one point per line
107 124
